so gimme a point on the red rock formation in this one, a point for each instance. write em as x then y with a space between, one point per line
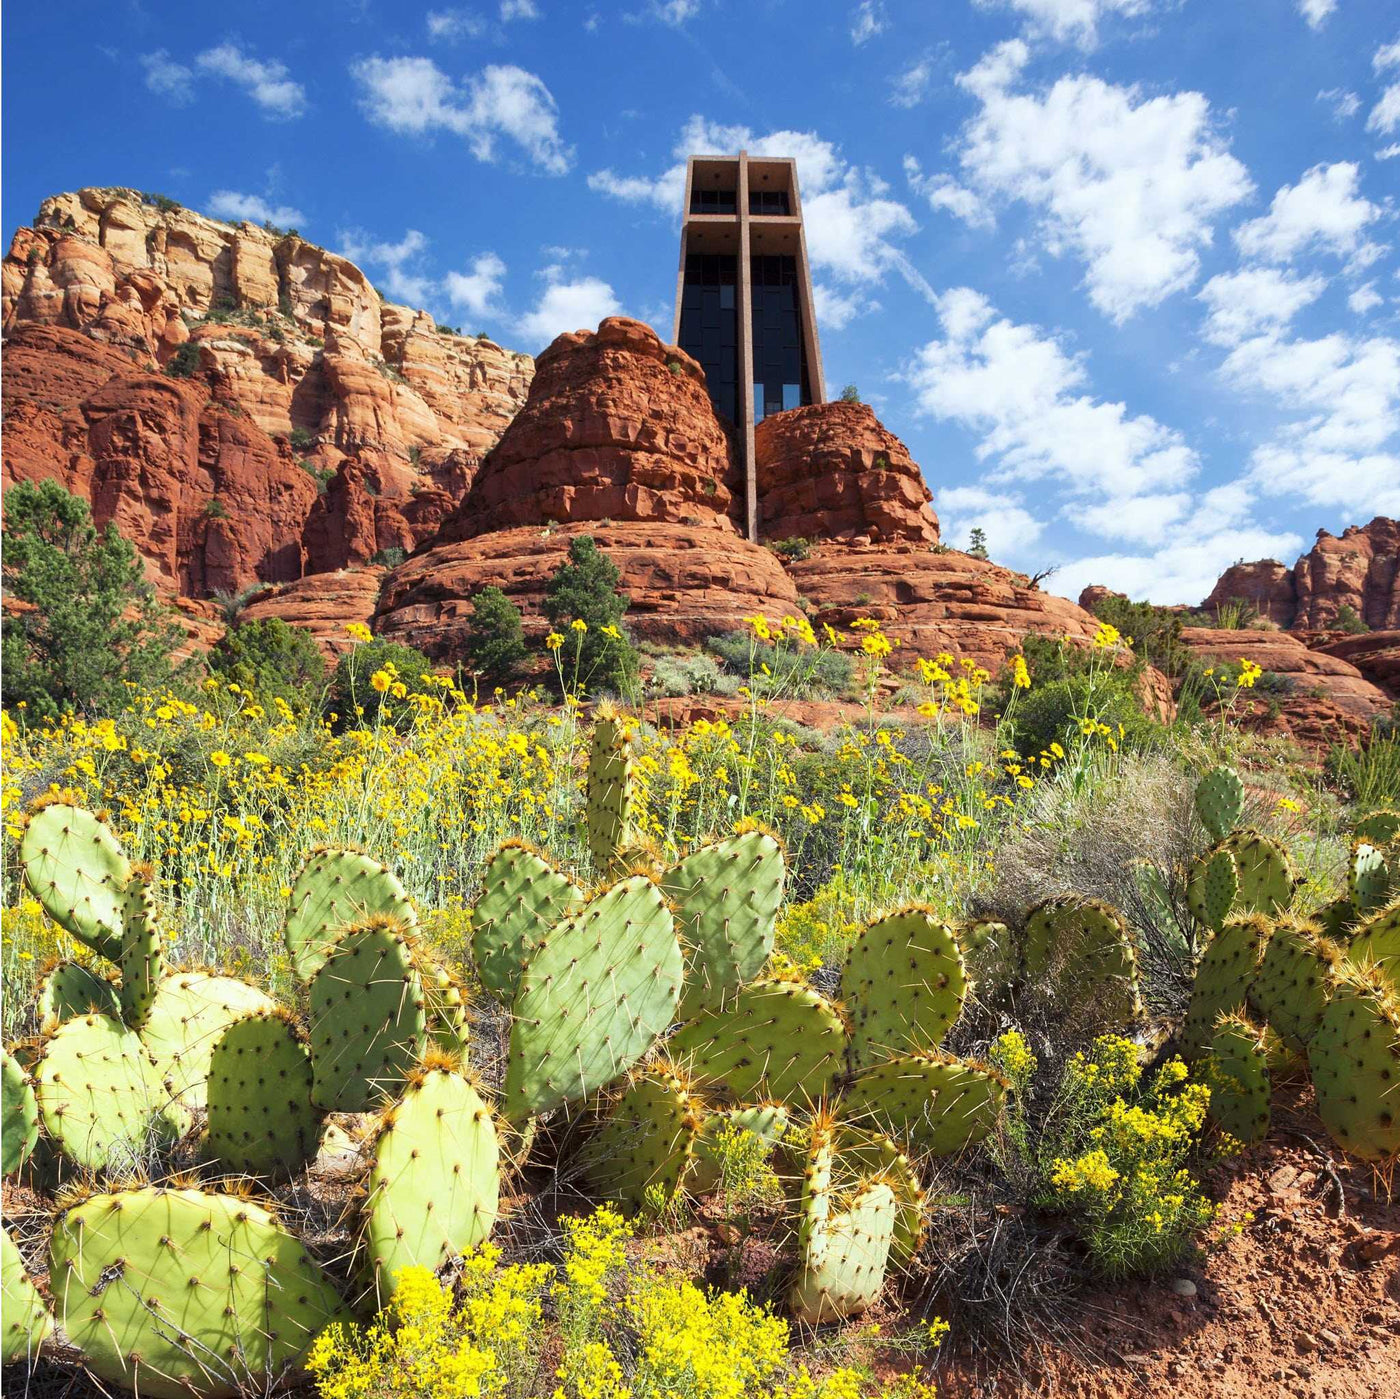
1096 593
830 471
1375 654
324 603
1266 585
685 583
617 427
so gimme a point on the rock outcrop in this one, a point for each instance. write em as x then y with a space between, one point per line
831 471
324 603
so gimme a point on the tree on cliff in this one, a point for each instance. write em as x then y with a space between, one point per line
495 638
87 620
600 656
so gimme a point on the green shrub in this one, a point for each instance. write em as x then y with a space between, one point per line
688 674
302 439
584 589
977 544
1155 631
795 671
272 660
184 363
495 637
795 548
1348 622
850 394
1054 712
391 557
355 700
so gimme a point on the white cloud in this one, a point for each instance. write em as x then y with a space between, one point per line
568 305
415 97
167 78
1344 104
867 20
229 204
1316 11
1388 152
267 83
1385 115
1364 298
675 12
1009 527
1324 211
518 9
399 264
944 192
1070 21
836 309
449 26
1129 184
911 86
477 291
1254 300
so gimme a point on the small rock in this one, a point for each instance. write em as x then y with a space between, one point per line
1305 1343
1283 1178
1329 1338
1184 1287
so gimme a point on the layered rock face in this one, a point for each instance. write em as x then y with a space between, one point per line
390 415
324 603
831 471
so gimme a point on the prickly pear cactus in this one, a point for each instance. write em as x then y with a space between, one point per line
335 889
1370 881
27 1322
646 1142
142 959
522 897
75 868
1377 942
1337 919
19 1121
1355 1063
1294 980
100 1097
1238 1075
1079 956
597 993
1265 872
1220 888
937 1103
261 1122
766 1121
904 984
434 1186
777 1040
1220 801
727 897
368 1017
180 1293
1223 977
861 1153
446 1007
1378 827
610 809
69 989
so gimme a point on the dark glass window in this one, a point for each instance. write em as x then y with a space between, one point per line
779 355
713 201
769 201
710 325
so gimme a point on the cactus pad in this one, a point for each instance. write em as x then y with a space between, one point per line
336 889
1220 887
522 897
19 1118
261 1122
1355 1063
75 868
598 991
1223 978
26 1320
1238 1075
1079 955
1377 941
904 983
434 1185
100 1097
645 1144
368 1017
935 1102
776 1040
861 1153
1265 872
446 1007
610 808
1220 801
68 989
142 959
1336 919
1293 983
727 897
766 1121
180 1293
1369 881
1378 827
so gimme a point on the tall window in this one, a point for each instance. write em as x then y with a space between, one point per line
710 325
779 356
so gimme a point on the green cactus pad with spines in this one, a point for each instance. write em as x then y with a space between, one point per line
645 1144
368 1018
1220 801
1220 888
335 890
862 1153
777 1040
434 1185
1369 877
766 1121
142 959
448 1026
19 1118
1223 977
609 811
182 1293
1078 955
100 1097
935 1102
1378 827
991 952
1338 919
1355 1062
1238 1075
596 994
1265 872
76 869
904 983
1293 983
69 989
1377 942
522 897
27 1320
261 1122
189 1013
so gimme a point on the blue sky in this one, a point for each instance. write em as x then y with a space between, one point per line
1122 273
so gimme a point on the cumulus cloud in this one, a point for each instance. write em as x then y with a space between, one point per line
674 12
400 266
1009 527
229 204
867 20
1316 12
1344 104
943 192
911 86
477 291
567 305
1323 212
1364 298
1255 300
518 9
1131 185
414 96
167 78
837 309
1071 21
266 82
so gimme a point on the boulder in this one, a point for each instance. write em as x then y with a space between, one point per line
324 603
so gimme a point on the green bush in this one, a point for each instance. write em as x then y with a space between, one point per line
795 548
795 671
302 439
1348 622
93 622
1155 631
1052 712
585 589
353 698
693 674
850 394
184 363
495 637
273 660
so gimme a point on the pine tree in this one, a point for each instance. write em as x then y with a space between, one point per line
495 638
977 544
585 590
